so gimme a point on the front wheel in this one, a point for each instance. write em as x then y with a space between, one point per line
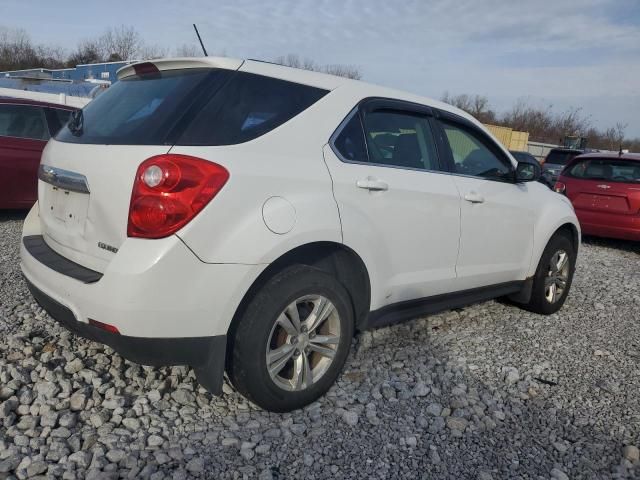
552 280
292 340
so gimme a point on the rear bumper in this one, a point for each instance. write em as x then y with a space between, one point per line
611 225
169 307
150 288
205 354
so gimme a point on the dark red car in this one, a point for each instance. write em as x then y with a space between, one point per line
605 192
25 128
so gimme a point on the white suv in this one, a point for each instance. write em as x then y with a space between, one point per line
248 217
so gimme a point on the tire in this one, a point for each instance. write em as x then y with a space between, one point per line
540 301
267 326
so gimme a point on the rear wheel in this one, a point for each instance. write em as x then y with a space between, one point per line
553 277
292 340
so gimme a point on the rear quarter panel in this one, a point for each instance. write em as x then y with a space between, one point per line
287 163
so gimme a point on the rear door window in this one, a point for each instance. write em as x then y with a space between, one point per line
400 139
349 142
611 170
23 121
247 107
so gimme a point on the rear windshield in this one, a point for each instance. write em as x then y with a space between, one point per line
188 107
612 170
558 157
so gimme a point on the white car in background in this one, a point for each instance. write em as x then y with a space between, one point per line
240 215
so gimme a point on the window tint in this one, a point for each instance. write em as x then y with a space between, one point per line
57 118
400 139
471 156
613 170
139 110
23 121
350 141
247 107
559 157
62 116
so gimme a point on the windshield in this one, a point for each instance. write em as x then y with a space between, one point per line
613 170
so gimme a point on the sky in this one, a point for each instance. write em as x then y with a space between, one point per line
564 53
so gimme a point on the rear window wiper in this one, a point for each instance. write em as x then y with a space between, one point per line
76 123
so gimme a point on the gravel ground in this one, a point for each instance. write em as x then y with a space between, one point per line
486 392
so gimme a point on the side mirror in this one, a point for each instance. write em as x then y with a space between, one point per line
527 172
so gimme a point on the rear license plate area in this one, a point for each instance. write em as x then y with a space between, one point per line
68 209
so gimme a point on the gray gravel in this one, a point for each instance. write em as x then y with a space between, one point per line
487 392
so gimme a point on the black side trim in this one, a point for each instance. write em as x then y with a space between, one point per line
409 309
205 354
524 295
42 252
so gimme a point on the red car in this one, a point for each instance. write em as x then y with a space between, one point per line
605 192
25 127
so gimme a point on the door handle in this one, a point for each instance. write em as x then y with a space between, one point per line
372 184
473 197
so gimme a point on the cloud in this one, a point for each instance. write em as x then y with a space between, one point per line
581 49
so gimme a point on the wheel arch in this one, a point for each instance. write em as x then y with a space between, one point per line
556 216
331 257
572 232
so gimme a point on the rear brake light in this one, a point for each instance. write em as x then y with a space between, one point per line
145 68
169 191
559 187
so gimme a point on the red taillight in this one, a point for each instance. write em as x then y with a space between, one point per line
104 326
559 187
169 190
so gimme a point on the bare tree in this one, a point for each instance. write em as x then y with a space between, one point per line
121 43
294 61
571 122
476 105
188 50
150 52
620 130
88 51
347 71
614 136
16 50
116 44
51 57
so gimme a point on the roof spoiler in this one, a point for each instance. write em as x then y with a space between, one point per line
182 63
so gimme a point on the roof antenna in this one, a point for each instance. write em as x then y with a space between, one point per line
200 40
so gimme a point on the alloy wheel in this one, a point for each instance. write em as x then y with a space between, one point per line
303 342
557 277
